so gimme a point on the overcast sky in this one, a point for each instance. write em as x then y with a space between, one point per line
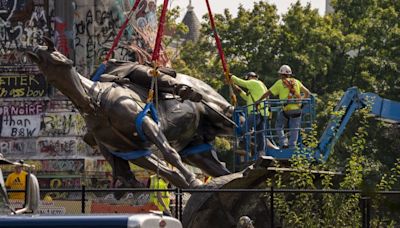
218 6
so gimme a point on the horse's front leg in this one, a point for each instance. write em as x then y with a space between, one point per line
155 135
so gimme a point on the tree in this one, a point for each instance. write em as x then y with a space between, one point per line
375 64
313 47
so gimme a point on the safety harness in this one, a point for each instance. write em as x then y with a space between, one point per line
290 83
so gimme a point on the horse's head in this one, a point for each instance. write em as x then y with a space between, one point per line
58 71
51 62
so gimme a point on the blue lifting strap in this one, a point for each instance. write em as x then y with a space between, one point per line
100 70
196 149
149 107
132 155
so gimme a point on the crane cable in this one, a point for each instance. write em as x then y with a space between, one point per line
221 55
154 72
153 91
156 52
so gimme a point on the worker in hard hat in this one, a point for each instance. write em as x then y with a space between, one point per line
290 89
251 89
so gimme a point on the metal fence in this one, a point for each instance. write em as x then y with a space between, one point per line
80 198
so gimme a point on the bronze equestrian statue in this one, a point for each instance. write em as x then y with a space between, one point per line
111 108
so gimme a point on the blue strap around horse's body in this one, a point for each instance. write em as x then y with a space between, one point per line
149 107
100 70
132 155
196 149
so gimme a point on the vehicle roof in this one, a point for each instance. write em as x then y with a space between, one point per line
92 220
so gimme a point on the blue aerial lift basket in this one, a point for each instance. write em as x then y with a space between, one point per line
352 100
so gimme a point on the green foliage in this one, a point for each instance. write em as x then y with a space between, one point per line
387 207
199 63
310 138
310 44
249 42
357 45
222 144
330 210
376 60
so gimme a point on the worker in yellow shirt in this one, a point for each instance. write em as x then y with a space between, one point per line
252 90
17 181
159 198
287 88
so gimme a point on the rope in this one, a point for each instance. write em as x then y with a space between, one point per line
221 55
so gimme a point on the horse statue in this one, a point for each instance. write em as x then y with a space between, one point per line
111 110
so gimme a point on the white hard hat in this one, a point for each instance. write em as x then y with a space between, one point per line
285 69
245 222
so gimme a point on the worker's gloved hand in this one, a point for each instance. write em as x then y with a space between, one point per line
187 93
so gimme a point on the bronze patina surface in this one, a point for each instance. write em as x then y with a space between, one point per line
110 108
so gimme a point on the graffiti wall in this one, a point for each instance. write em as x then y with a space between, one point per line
96 24
83 30
22 24
29 129
22 81
36 122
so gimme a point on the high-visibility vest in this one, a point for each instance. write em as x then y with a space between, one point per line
255 89
288 88
158 183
